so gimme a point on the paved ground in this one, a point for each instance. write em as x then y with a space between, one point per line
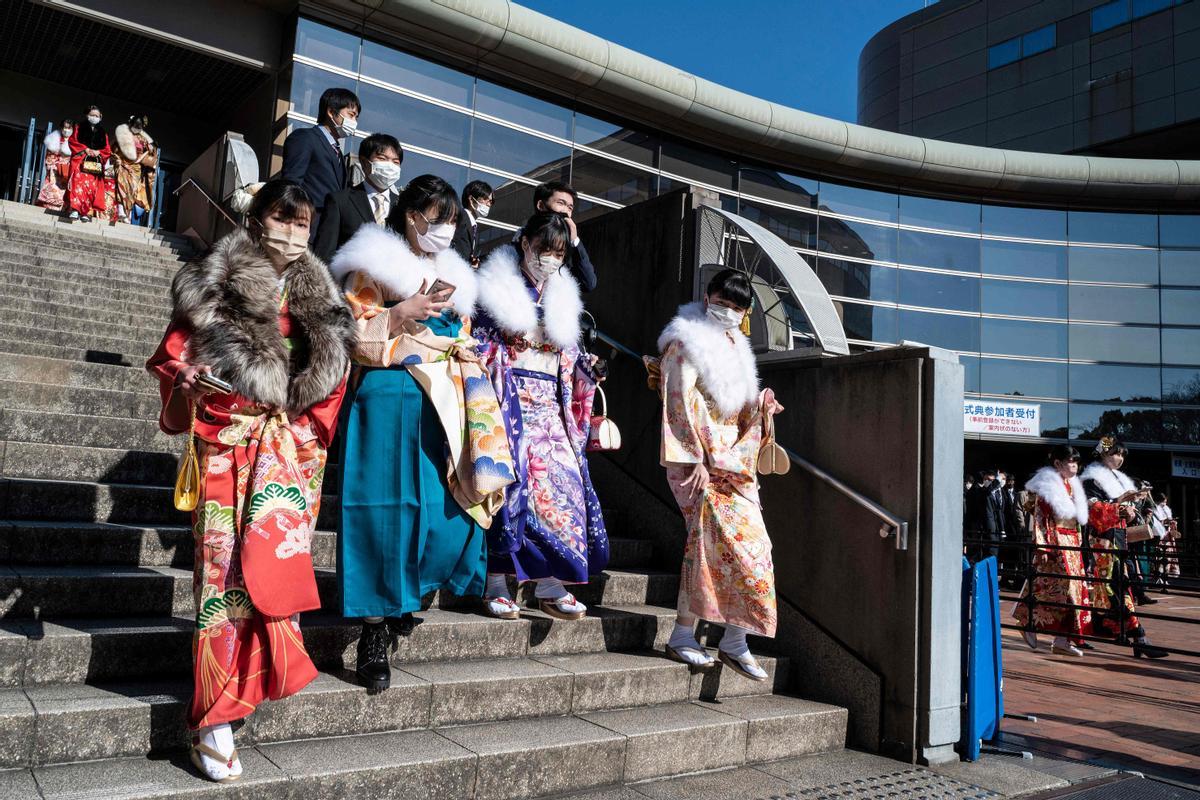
1109 708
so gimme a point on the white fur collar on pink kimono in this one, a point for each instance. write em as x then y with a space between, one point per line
731 383
386 257
504 295
1047 484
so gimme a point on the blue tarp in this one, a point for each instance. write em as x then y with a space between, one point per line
982 662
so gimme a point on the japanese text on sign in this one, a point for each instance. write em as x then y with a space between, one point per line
992 416
1182 467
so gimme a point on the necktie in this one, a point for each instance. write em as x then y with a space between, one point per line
380 202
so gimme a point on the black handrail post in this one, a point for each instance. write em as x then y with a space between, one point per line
1118 585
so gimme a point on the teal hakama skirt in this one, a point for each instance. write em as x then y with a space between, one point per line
402 534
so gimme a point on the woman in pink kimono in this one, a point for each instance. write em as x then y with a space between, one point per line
711 431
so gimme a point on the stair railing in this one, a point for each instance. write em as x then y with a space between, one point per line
891 525
191 182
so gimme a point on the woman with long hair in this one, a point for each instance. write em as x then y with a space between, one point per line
712 424
260 313
425 460
1111 497
550 530
1059 514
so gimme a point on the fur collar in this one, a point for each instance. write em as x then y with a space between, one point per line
504 295
1047 484
1113 482
386 257
728 371
229 299
125 141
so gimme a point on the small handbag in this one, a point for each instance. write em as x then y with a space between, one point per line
92 165
772 459
604 434
187 482
1138 533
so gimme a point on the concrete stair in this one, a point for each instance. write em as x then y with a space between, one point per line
96 602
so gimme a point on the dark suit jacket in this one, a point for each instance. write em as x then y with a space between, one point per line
310 160
466 240
345 212
581 267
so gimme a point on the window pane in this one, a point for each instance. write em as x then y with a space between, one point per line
1181 386
939 291
970 372
1180 307
699 165
329 45
1054 420
307 85
1114 304
1024 260
1127 423
417 164
869 323
1181 267
853 279
627 143
859 202
935 250
1023 378
521 109
1110 15
416 74
1013 337
1179 230
1114 343
491 237
1181 345
940 330
857 239
1142 8
1022 299
944 215
1112 228
1026 223
1115 384
795 227
1181 426
414 122
778 186
1127 265
503 148
608 180
1004 53
1037 41
513 201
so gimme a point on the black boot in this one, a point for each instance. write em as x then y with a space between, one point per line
1148 650
373 670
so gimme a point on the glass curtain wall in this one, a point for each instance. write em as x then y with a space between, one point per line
1096 316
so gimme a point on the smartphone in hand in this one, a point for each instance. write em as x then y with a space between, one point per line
212 383
441 287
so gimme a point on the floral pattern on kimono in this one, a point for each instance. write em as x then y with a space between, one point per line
1107 527
1049 588
728 575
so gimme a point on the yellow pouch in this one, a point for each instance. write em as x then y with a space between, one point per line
187 482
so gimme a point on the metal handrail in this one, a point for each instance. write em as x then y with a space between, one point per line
892 524
207 196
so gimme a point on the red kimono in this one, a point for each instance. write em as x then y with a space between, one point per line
85 190
260 495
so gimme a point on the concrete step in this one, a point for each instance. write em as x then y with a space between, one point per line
80 324
512 759
27 216
115 347
29 281
113 240
98 464
24 425
148 718
57 264
72 374
64 399
57 591
86 306
49 543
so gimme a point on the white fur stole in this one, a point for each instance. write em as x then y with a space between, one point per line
504 295
386 257
728 371
1047 484
1114 482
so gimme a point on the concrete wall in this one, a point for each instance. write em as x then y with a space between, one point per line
868 626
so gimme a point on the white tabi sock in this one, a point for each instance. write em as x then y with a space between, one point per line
220 739
372 620
497 586
683 641
734 641
550 589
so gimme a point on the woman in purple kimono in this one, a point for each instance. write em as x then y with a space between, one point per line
550 529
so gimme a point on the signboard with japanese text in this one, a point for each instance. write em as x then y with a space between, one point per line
997 416
1185 466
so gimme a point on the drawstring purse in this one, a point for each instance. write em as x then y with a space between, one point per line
772 458
604 434
92 165
187 482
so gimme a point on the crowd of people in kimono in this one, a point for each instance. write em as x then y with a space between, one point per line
457 390
90 175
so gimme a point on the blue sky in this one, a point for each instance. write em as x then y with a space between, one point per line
803 53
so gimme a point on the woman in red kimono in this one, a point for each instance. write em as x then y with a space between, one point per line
261 313
90 151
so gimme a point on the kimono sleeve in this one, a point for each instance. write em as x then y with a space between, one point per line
684 411
373 321
165 364
1043 524
324 415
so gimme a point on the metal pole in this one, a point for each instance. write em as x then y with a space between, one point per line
26 163
39 149
156 211
1118 587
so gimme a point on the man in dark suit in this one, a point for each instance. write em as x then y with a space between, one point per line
315 157
369 202
560 197
477 203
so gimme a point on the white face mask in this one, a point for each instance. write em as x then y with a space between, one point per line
724 316
482 210
347 126
281 247
541 266
436 238
384 174
94 119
